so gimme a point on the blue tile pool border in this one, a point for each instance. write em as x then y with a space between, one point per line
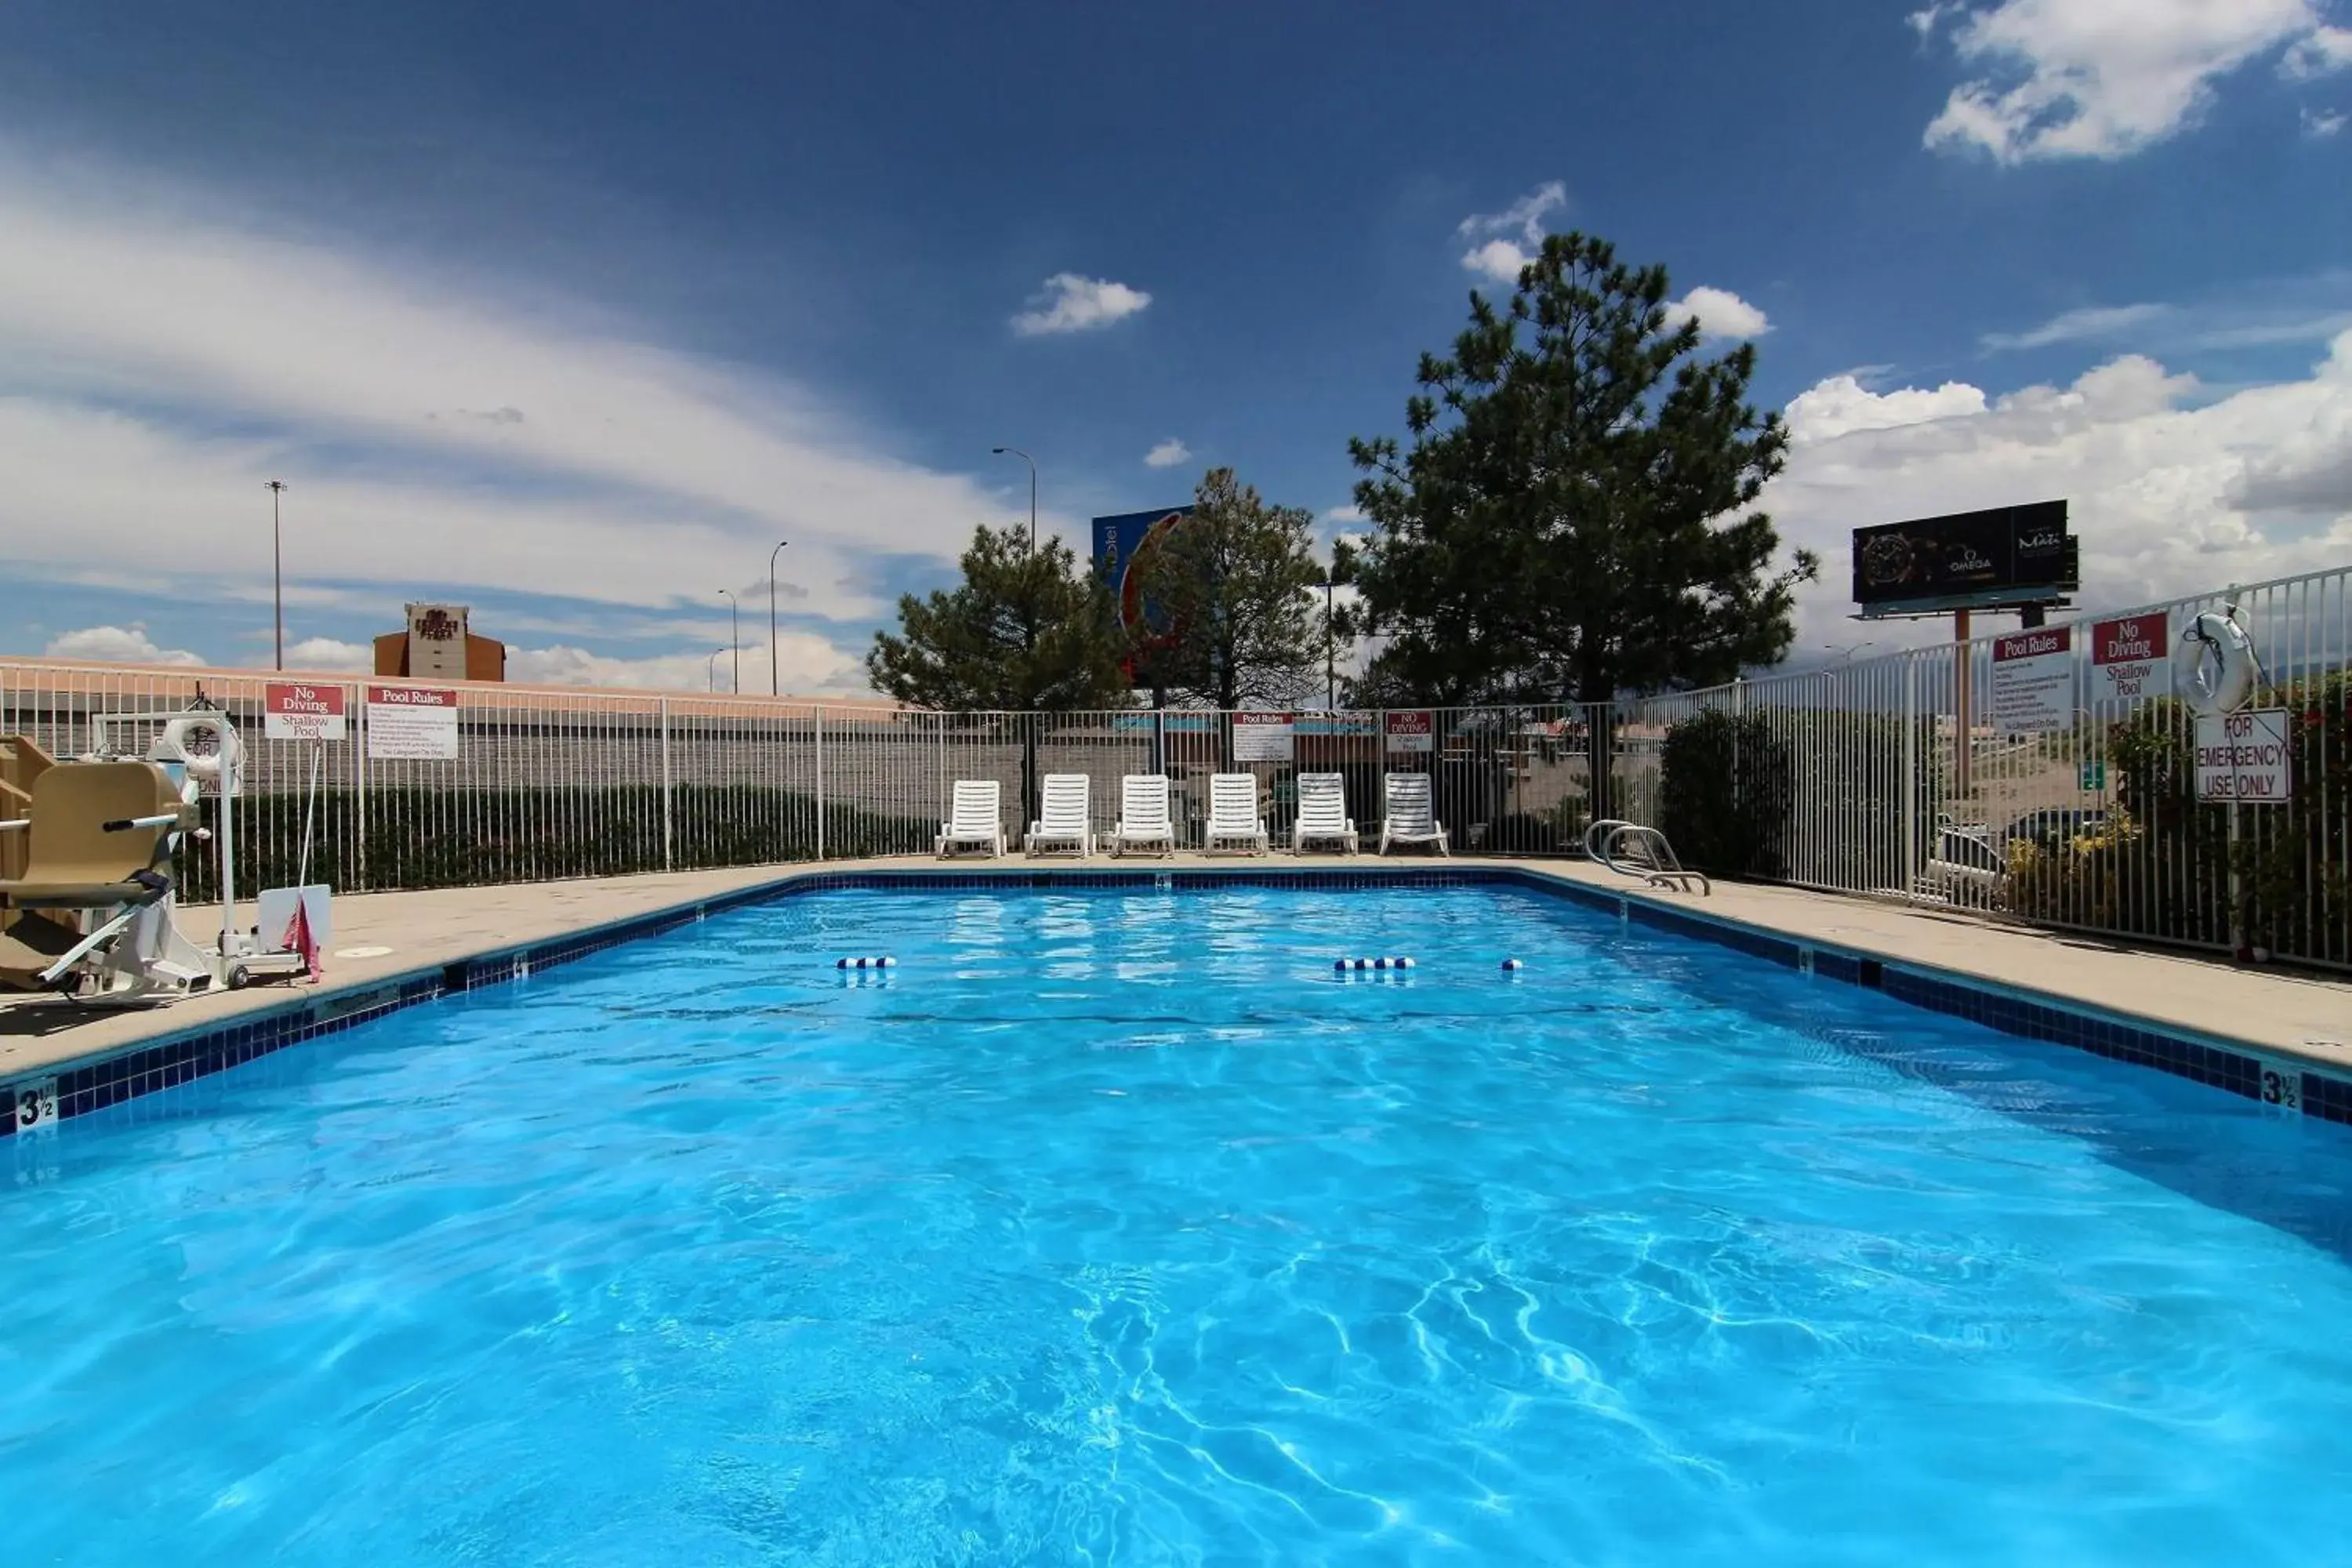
77 1089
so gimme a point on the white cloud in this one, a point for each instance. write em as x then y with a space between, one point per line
1351 513
2318 53
605 467
1720 313
328 653
2320 125
116 645
1168 454
1497 259
806 664
1074 304
1518 230
1842 405
2105 79
2172 491
2073 326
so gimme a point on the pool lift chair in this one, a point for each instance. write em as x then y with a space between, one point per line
95 907
1630 849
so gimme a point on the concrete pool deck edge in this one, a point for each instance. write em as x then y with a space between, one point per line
2248 1031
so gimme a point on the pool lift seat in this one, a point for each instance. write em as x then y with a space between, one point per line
93 909
1630 849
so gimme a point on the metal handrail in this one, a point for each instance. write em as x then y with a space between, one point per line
1612 841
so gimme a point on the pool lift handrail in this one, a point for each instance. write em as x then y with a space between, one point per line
1630 849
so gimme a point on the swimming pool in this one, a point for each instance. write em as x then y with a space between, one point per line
1113 1226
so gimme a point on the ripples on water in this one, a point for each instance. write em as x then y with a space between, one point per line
1118 1229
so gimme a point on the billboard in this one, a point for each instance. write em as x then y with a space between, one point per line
1122 545
2007 554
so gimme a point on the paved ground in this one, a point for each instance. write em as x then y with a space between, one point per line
2267 1009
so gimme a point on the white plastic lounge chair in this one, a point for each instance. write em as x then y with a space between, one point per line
1063 825
973 822
1143 815
1233 821
1410 818
1322 813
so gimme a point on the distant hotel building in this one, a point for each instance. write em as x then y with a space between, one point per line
438 647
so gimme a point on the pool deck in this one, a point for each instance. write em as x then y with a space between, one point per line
2280 1013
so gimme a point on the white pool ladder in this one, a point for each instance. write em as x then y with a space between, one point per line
1632 851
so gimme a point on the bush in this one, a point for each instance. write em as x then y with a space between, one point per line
2289 859
419 838
1723 795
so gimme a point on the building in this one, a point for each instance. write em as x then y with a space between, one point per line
438 647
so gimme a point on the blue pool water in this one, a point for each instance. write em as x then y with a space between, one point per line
1116 1229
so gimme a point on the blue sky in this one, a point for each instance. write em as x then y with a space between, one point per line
570 311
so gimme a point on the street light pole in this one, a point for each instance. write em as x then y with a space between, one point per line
1330 665
1025 458
735 636
278 568
774 689
711 670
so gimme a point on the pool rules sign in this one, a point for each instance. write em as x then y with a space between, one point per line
2033 681
412 723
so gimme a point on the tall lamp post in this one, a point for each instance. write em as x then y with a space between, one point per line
711 670
1025 458
278 568
735 638
773 688
1330 661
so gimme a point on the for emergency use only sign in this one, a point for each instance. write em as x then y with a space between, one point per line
2242 758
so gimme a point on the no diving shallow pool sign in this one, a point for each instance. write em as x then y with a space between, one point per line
2242 758
291 711
2130 658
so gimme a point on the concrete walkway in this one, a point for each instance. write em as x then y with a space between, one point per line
379 936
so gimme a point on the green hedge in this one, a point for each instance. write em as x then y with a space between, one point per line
475 837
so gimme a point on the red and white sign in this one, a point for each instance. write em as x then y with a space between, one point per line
294 711
1262 738
2033 681
412 723
2243 757
1413 730
2130 658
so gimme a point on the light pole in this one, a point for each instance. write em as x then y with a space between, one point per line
1330 664
1845 655
278 568
735 636
711 670
1025 458
774 689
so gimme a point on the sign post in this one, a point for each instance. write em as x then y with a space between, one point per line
1263 738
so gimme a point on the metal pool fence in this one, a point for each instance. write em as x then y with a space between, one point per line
2051 777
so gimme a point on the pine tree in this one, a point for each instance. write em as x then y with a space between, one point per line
1576 517
1230 591
1023 630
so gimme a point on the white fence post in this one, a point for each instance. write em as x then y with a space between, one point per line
820 782
1909 783
669 830
357 727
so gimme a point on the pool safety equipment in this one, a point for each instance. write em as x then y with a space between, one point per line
883 962
200 752
2213 663
1513 965
1346 965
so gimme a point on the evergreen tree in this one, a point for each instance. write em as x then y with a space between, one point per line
1023 630
1576 516
1231 591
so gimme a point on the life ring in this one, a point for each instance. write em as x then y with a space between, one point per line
219 749
2213 665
